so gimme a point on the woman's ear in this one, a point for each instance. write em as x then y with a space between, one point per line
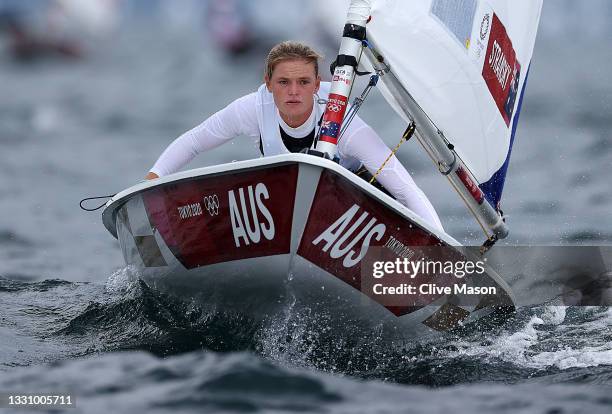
267 80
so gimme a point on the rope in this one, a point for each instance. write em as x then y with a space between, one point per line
95 198
348 117
407 135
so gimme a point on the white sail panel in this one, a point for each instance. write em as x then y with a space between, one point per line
465 63
97 17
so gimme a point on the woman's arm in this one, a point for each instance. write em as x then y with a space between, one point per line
363 143
238 118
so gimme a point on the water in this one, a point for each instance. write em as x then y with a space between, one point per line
124 348
73 318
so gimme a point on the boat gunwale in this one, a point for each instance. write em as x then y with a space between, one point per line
118 200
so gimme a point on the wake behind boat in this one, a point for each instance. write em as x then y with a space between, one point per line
251 237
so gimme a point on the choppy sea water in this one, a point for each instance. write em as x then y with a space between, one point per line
121 347
72 317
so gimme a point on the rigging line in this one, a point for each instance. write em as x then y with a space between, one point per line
427 146
348 117
95 198
452 184
405 137
320 101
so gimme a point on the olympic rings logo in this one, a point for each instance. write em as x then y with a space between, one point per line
334 107
211 203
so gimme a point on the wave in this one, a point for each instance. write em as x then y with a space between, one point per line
83 319
242 382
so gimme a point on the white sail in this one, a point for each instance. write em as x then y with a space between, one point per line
95 16
465 62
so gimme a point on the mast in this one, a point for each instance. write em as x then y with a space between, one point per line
346 62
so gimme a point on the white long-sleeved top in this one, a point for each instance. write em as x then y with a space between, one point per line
360 145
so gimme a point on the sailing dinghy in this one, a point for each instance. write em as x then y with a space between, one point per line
251 236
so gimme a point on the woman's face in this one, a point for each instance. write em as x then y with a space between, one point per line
293 85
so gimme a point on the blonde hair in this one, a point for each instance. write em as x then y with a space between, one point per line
290 50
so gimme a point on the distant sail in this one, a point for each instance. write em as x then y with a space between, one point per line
94 16
466 63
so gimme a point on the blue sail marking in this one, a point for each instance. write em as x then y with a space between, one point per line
493 188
